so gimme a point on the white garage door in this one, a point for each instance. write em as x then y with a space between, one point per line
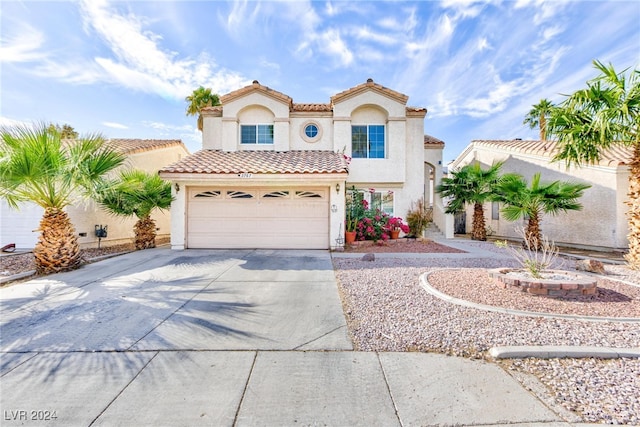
293 218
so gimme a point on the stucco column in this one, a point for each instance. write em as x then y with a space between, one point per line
178 215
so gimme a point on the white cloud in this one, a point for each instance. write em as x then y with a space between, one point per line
138 60
24 46
115 125
331 42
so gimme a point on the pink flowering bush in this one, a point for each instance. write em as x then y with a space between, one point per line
370 224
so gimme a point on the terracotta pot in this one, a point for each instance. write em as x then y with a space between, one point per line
350 236
395 234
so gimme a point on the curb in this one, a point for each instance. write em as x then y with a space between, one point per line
560 351
17 276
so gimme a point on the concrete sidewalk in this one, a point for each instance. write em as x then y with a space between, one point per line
200 337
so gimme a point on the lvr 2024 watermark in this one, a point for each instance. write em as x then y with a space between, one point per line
29 415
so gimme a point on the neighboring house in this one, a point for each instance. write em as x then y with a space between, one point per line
20 226
273 173
600 223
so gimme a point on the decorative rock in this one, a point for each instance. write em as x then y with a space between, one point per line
369 257
590 265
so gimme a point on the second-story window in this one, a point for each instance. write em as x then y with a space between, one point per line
367 141
256 134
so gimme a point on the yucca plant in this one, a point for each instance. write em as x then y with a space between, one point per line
37 166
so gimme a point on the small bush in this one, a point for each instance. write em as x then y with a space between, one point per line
418 217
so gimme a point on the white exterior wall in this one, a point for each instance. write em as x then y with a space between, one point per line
325 141
19 226
601 222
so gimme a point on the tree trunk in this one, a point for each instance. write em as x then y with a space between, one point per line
57 248
532 235
479 231
145 231
633 214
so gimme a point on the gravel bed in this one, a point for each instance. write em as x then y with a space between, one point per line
613 298
600 391
22 262
388 310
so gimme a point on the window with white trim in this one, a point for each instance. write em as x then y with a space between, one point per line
382 200
367 141
256 134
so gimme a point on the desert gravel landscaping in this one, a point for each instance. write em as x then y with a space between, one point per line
388 310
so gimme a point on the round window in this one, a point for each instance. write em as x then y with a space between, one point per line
311 130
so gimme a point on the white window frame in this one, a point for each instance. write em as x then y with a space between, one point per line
257 140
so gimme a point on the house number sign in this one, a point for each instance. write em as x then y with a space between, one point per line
245 175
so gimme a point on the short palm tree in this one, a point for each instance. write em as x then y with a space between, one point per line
605 113
531 201
538 116
37 166
471 185
199 99
135 192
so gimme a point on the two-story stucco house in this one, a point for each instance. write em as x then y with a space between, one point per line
600 224
273 173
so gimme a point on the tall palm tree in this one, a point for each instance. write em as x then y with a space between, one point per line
199 99
522 200
138 193
538 115
471 185
605 113
37 166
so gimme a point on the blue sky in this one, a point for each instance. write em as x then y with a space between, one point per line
123 68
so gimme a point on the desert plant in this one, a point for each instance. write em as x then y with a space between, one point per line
135 192
37 166
471 185
418 217
355 208
533 255
532 200
605 114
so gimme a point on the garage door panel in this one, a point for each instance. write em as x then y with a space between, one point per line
270 218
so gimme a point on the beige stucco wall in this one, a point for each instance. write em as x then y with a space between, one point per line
601 222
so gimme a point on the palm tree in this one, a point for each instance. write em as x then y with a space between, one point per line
531 201
138 193
538 115
37 166
471 184
605 113
199 99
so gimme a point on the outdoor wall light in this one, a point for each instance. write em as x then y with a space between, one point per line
177 187
334 208
338 188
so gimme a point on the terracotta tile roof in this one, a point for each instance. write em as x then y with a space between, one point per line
255 87
268 162
312 107
370 84
416 111
432 142
130 146
614 156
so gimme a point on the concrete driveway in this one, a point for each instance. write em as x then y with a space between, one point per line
246 337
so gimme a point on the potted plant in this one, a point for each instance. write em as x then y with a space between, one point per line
355 209
395 226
